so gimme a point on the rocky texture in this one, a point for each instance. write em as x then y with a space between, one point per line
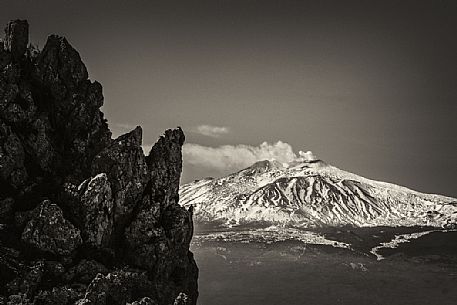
97 210
84 219
125 165
17 38
159 216
49 231
117 288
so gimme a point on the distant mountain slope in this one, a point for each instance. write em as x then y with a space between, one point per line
312 193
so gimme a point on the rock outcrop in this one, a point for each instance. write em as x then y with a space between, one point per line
84 218
49 231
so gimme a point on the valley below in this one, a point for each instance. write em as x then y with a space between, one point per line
308 233
346 265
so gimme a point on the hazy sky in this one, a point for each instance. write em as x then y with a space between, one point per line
368 86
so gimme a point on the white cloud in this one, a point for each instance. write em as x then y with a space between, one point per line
229 158
307 156
211 131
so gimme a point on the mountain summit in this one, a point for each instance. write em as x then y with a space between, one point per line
311 193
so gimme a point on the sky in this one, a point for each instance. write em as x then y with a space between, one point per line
367 86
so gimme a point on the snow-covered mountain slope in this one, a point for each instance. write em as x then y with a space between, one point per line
310 194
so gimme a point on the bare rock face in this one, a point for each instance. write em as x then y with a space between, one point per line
125 165
85 271
57 296
117 288
97 210
145 301
159 216
84 219
165 164
49 231
12 157
60 68
17 38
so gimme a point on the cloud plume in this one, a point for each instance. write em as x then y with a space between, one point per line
307 156
229 158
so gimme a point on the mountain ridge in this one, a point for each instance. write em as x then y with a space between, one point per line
312 193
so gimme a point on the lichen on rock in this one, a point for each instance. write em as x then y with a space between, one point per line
49 231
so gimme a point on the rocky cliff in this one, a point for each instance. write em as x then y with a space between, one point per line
84 219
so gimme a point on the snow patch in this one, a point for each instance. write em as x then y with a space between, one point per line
400 239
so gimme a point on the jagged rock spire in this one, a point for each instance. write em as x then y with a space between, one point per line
76 204
17 37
